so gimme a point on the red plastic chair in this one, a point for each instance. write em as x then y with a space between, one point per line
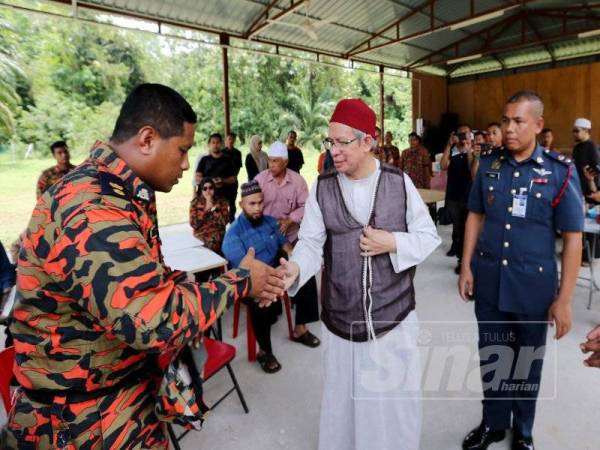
250 336
7 360
220 356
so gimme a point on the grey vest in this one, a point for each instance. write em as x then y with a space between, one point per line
393 298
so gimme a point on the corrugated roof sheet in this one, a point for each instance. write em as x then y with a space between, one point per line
354 22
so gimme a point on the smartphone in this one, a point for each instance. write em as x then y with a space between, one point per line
461 136
597 168
485 147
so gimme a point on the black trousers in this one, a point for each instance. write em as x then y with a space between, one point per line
232 210
262 320
306 302
458 213
511 366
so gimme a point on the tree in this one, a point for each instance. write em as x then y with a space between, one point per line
10 71
310 111
92 65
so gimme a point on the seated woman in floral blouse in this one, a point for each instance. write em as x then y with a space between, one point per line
209 215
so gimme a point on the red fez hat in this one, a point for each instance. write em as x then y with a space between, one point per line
356 114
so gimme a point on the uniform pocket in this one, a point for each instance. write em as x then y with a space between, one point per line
539 203
541 279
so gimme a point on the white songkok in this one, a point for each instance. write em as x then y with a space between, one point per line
583 123
278 150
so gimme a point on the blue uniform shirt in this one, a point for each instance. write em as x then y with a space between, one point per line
514 264
266 238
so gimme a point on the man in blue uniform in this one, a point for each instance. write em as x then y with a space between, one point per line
521 196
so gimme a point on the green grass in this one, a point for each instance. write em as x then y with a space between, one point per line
18 180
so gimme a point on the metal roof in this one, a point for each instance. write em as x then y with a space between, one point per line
413 35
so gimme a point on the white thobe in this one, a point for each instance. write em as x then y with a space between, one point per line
371 390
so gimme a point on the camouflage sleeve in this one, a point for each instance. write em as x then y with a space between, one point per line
196 214
41 185
222 213
102 261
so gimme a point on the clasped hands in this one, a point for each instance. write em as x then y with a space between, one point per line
375 242
592 345
268 283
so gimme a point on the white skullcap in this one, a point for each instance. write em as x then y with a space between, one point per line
583 123
278 150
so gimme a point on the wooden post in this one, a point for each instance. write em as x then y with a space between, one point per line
381 101
224 41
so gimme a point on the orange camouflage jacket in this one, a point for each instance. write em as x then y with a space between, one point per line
96 296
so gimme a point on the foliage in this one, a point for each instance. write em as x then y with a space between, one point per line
75 75
10 73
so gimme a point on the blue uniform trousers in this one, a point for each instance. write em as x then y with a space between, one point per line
510 384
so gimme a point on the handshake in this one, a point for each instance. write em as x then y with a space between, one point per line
268 283
592 346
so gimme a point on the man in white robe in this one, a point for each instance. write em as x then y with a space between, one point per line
370 222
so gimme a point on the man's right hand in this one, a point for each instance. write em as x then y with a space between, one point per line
452 139
465 283
267 283
291 271
589 173
592 345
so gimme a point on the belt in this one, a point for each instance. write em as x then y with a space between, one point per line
47 396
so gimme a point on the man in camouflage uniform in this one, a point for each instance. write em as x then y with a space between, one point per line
98 305
63 166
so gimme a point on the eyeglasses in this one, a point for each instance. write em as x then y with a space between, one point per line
576 130
208 188
328 143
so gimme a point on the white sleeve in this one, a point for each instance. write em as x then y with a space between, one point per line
311 239
413 246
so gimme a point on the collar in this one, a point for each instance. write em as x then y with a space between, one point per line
538 156
286 179
106 158
246 223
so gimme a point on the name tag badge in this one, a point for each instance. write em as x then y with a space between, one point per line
519 205
494 175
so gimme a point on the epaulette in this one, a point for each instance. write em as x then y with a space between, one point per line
491 152
557 156
112 185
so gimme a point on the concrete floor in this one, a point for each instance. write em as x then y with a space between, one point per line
284 407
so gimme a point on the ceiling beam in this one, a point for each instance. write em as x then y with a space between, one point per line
294 5
264 14
503 25
359 50
169 22
522 44
428 15
355 50
538 35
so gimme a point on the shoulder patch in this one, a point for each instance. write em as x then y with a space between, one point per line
491 152
559 157
112 185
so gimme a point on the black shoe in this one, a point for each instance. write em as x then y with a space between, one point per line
451 252
521 443
482 437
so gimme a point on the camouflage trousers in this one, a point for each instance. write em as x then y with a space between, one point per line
121 420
